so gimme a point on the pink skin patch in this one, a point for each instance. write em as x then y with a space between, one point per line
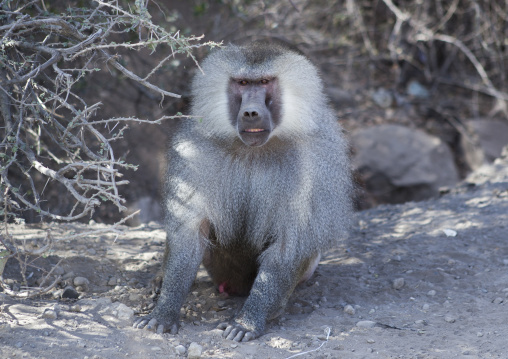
224 288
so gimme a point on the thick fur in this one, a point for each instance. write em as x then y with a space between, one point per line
255 216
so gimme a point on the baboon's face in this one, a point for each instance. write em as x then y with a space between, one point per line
254 108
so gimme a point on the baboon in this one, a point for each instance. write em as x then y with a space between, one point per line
257 187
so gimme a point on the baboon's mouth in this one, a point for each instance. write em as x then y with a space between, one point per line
254 130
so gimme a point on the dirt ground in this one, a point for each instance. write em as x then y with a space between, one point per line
419 280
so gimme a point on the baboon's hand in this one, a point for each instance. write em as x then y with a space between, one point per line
237 332
157 324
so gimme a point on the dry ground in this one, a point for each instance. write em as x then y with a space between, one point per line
399 287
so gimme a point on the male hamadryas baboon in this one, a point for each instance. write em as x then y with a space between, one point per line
257 187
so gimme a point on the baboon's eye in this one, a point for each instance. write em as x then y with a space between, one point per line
264 81
243 82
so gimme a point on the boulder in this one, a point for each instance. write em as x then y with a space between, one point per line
398 164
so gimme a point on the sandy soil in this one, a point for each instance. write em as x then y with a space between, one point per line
419 280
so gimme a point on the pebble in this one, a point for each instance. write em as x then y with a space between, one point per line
57 308
398 283
180 349
19 344
135 297
431 293
498 300
81 281
425 307
382 97
70 293
371 341
366 324
348 309
449 319
68 275
56 294
49 314
75 308
58 270
195 350
113 281
123 312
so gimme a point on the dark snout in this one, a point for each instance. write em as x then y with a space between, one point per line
254 119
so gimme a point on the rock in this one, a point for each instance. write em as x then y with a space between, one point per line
113 281
431 293
57 293
49 314
449 319
68 275
382 97
348 309
498 300
58 270
195 350
70 293
399 164
135 297
366 324
123 312
417 90
398 283
180 349
488 137
81 281
75 308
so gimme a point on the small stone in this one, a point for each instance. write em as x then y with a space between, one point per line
70 293
366 324
371 341
180 349
425 307
56 294
135 297
431 293
234 346
398 283
450 232
479 334
81 281
68 275
449 319
113 281
348 309
58 270
156 349
75 308
92 252
57 308
124 312
195 350
498 300
19 345
382 97
49 314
